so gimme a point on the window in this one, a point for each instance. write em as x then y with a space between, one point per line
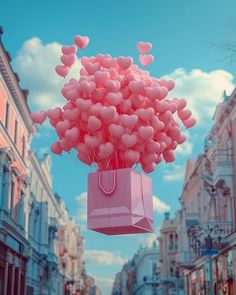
11 200
16 132
5 187
23 147
7 116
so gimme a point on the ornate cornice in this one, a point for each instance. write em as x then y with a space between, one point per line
11 80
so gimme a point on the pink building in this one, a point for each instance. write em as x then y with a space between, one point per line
16 129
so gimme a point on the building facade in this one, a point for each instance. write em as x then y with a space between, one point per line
140 275
206 221
41 247
16 129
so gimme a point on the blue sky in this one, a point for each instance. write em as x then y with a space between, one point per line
181 33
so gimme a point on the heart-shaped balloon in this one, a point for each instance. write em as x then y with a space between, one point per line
124 62
68 59
146 60
144 47
62 70
39 117
69 49
81 41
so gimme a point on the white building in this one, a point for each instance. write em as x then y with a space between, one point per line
51 269
147 270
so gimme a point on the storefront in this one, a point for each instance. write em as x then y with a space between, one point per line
12 271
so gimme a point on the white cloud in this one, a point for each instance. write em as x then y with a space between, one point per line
201 89
43 150
160 206
187 147
81 215
176 173
103 257
35 63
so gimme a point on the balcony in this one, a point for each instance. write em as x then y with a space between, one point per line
191 219
219 228
186 259
52 259
173 248
221 163
9 224
53 225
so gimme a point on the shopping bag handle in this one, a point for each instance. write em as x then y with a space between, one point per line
101 186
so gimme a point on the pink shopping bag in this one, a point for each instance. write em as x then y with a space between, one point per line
119 202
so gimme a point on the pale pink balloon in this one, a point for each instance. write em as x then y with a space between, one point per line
181 139
153 146
94 123
153 93
184 114
62 70
69 49
71 114
98 94
161 106
114 99
145 114
146 60
62 126
116 130
101 77
169 156
72 134
105 150
39 117
91 141
109 63
144 47
107 113
132 156
112 85
83 105
54 113
148 168
68 106
83 157
91 68
81 41
157 124
129 140
86 87
174 133
181 103
137 87
124 62
190 122
125 106
65 145
146 132
129 121
56 148
149 158
68 59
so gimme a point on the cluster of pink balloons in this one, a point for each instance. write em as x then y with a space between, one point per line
116 114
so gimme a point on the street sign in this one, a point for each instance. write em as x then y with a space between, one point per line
209 252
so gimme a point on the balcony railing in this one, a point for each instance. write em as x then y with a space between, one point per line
192 218
173 248
186 259
219 228
221 161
